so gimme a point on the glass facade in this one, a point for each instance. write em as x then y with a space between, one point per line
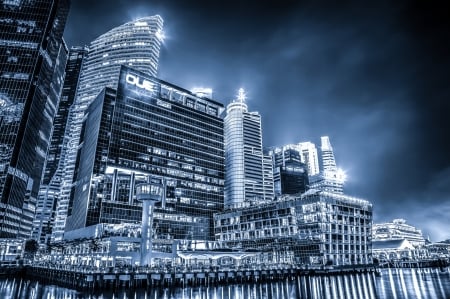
136 44
398 229
150 130
309 156
244 158
330 178
32 61
290 174
316 228
49 192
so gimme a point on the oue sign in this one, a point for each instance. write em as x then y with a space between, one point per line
139 82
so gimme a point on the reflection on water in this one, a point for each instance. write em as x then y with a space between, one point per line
393 283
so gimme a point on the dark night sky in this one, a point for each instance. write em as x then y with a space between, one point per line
374 76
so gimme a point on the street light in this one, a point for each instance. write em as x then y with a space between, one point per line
149 194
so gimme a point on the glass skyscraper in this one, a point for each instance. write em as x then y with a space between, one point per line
331 178
49 192
150 130
309 156
136 44
32 62
244 167
290 175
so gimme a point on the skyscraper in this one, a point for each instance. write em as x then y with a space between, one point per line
331 178
244 175
309 156
32 62
150 130
49 192
136 44
290 174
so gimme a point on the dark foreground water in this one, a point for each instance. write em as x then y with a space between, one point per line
393 283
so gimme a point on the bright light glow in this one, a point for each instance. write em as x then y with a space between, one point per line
341 175
241 95
202 91
139 23
160 35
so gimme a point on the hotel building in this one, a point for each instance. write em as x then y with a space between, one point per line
316 228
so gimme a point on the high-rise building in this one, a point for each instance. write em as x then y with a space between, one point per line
150 130
331 178
309 156
32 61
135 44
290 175
49 192
268 186
244 175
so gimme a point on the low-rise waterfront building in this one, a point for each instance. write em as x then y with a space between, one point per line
10 250
398 229
316 228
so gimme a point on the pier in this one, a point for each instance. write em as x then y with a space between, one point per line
114 278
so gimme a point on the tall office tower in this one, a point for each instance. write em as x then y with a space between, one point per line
135 44
49 192
243 155
290 175
150 130
32 62
328 163
268 187
330 178
309 156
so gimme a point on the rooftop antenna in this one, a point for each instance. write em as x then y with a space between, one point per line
241 95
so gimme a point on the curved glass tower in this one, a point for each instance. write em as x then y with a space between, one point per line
135 44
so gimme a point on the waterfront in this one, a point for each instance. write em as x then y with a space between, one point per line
393 283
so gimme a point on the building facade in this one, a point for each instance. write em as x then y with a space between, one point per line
244 157
309 156
330 178
33 58
49 192
136 44
290 175
150 129
316 228
398 229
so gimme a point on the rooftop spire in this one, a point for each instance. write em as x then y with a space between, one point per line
241 95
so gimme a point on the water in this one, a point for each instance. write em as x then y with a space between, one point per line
393 283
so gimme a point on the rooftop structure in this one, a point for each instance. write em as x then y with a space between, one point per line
398 229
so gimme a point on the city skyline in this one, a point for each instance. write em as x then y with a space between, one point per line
370 76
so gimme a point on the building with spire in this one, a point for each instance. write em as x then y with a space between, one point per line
32 61
244 157
330 178
135 44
